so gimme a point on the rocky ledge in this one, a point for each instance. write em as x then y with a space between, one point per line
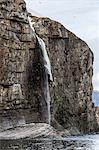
30 131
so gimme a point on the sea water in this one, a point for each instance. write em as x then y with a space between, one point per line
86 142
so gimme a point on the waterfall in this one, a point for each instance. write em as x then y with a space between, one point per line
47 74
31 23
45 58
47 66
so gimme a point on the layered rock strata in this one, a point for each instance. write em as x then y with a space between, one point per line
24 80
72 69
22 74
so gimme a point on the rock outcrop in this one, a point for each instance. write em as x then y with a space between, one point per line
72 68
29 131
24 80
97 116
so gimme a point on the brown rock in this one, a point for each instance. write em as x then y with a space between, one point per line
72 68
21 92
23 78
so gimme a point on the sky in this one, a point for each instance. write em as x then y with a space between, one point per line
79 16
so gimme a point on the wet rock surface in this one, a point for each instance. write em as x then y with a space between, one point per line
33 130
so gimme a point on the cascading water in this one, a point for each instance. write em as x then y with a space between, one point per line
47 66
45 57
47 75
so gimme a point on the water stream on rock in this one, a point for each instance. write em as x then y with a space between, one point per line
46 63
47 69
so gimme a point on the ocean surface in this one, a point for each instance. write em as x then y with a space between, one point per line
87 142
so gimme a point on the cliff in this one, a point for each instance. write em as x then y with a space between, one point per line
72 68
27 95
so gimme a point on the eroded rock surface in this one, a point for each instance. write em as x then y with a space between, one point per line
72 68
97 115
23 77
30 131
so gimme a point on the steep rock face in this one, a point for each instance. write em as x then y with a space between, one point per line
97 115
22 98
72 68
